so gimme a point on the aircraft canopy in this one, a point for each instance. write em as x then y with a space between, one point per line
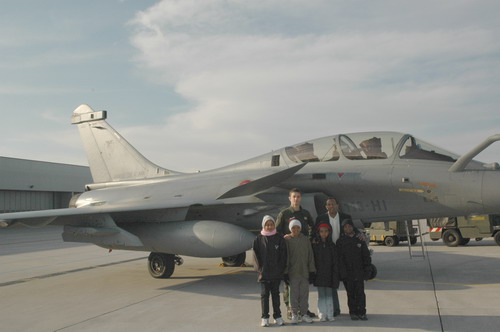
364 146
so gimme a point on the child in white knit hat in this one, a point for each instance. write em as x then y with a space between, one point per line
299 271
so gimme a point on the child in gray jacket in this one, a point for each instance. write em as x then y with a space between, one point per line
300 271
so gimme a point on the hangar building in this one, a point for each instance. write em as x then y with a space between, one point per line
27 185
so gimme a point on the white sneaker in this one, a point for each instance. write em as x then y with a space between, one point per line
279 321
295 319
264 322
307 319
322 317
331 319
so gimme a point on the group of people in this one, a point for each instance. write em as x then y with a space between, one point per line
299 251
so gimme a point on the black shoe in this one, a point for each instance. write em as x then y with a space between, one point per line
363 317
354 317
311 314
336 313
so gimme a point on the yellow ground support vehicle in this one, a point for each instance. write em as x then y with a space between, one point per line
459 230
391 233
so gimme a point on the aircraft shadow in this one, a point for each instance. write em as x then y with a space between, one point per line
396 272
22 240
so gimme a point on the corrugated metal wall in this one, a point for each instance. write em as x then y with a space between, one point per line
14 201
27 185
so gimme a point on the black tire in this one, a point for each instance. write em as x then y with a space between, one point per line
161 265
464 241
236 260
373 273
497 238
391 241
413 240
452 238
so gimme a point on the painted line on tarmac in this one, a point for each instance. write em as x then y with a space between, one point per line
435 283
45 276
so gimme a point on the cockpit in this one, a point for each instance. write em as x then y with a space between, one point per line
365 146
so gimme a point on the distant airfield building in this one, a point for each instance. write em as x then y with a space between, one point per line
27 185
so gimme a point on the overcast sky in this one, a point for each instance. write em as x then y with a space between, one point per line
196 85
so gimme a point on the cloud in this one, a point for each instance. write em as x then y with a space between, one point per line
262 74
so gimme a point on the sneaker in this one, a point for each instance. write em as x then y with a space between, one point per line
354 317
363 317
311 314
264 322
307 319
295 319
279 321
322 317
331 319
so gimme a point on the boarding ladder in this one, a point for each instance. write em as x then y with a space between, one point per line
411 224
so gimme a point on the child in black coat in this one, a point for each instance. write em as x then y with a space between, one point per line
327 272
270 255
355 268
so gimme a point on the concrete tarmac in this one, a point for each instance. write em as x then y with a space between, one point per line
49 285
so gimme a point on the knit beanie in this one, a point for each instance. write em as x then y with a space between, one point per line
294 222
324 225
347 221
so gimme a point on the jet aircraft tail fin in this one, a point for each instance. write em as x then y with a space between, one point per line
110 156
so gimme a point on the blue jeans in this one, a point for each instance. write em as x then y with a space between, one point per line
325 302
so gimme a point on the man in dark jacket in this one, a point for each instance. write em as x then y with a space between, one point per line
334 218
355 268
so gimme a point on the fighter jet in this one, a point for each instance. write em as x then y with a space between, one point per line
134 204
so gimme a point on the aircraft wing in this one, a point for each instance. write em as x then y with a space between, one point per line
263 183
132 203
74 215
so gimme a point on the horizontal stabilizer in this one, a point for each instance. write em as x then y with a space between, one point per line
262 183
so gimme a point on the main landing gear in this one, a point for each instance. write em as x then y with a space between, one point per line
161 265
236 260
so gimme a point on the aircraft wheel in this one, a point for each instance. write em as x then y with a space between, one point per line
464 241
373 273
497 238
413 240
236 260
452 238
391 241
161 265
